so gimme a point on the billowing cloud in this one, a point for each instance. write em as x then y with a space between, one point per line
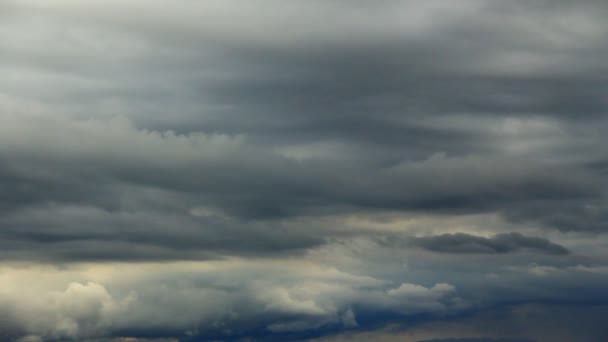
232 298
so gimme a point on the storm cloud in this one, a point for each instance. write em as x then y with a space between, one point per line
274 171
501 243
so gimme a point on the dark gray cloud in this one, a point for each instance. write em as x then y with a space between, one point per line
501 243
476 340
540 323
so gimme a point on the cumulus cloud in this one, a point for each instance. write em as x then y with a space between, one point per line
288 298
78 312
204 299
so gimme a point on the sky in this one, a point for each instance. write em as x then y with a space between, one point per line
305 170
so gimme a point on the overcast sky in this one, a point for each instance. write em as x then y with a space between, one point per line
314 170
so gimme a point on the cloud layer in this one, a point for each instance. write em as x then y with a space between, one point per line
501 243
263 170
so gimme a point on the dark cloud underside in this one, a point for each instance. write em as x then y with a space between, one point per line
501 243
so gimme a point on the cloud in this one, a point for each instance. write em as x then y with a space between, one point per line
501 243
280 171
290 298
518 323
476 340
80 311
202 300
80 181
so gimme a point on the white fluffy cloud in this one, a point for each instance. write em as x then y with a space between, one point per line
80 311
198 298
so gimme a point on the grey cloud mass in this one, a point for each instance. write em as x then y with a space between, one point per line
269 170
501 243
